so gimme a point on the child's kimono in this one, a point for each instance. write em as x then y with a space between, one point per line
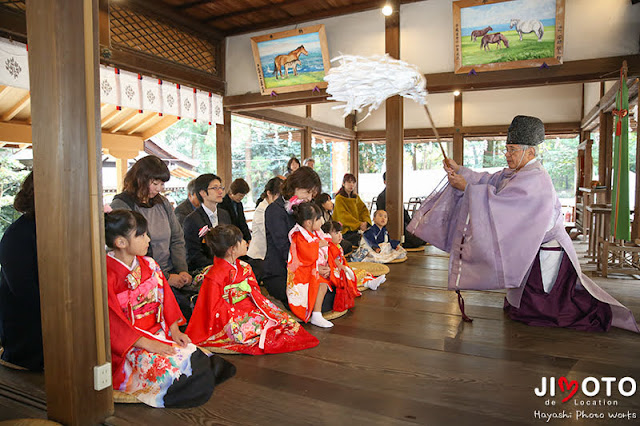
303 280
374 238
345 280
141 304
231 313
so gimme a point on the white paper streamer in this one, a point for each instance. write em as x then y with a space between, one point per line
362 82
130 90
217 116
203 106
109 86
170 98
187 103
151 94
14 64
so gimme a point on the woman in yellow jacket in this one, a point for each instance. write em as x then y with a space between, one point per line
350 211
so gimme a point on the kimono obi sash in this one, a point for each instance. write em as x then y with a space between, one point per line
142 301
234 293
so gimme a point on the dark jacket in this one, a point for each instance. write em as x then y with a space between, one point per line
236 211
20 326
198 253
375 236
183 210
381 204
277 223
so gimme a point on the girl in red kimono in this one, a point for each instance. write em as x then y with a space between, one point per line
344 279
151 359
231 313
305 287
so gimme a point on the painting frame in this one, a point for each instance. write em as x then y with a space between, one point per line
264 46
465 64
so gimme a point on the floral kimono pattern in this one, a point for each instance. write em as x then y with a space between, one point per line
303 280
231 313
141 304
344 279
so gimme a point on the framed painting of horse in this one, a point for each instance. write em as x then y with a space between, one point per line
293 60
491 35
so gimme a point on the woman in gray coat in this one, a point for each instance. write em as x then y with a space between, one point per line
143 185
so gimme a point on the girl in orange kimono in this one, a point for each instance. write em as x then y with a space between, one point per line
151 359
305 287
232 313
344 279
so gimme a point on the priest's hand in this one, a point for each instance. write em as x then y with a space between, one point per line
450 165
154 346
457 181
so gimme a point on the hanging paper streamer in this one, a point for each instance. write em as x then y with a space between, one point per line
216 110
187 103
367 82
151 94
109 86
14 64
170 98
289 138
130 90
203 106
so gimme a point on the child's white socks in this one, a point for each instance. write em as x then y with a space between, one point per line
375 283
318 320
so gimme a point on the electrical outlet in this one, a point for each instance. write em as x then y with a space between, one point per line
102 376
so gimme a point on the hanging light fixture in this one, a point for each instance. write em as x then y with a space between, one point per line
387 10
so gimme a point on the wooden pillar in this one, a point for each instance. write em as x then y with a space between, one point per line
350 123
605 163
307 133
223 149
635 228
458 136
121 171
395 132
63 68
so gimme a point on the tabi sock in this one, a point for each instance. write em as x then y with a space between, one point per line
318 320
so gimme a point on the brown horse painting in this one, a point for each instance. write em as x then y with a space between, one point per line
281 61
493 38
479 33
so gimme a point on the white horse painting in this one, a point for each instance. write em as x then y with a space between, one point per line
529 26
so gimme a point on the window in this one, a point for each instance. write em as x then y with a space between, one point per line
372 164
423 168
260 151
332 161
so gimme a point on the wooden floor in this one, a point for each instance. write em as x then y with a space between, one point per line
403 356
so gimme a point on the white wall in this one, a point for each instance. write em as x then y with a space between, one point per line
593 28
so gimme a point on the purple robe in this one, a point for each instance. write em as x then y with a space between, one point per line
494 229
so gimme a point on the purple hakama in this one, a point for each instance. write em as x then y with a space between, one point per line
494 231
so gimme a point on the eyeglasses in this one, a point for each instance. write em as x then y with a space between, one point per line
216 188
511 151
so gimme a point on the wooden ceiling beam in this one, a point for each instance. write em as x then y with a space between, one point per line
258 9
143 123
468 131
17 108
312 16
110 117
582 71
166 122
253 101
301 122
4 90
185 6
127 119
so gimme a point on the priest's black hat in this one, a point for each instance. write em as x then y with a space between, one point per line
525 130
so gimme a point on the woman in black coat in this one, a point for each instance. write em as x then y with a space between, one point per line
304 183
20 325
